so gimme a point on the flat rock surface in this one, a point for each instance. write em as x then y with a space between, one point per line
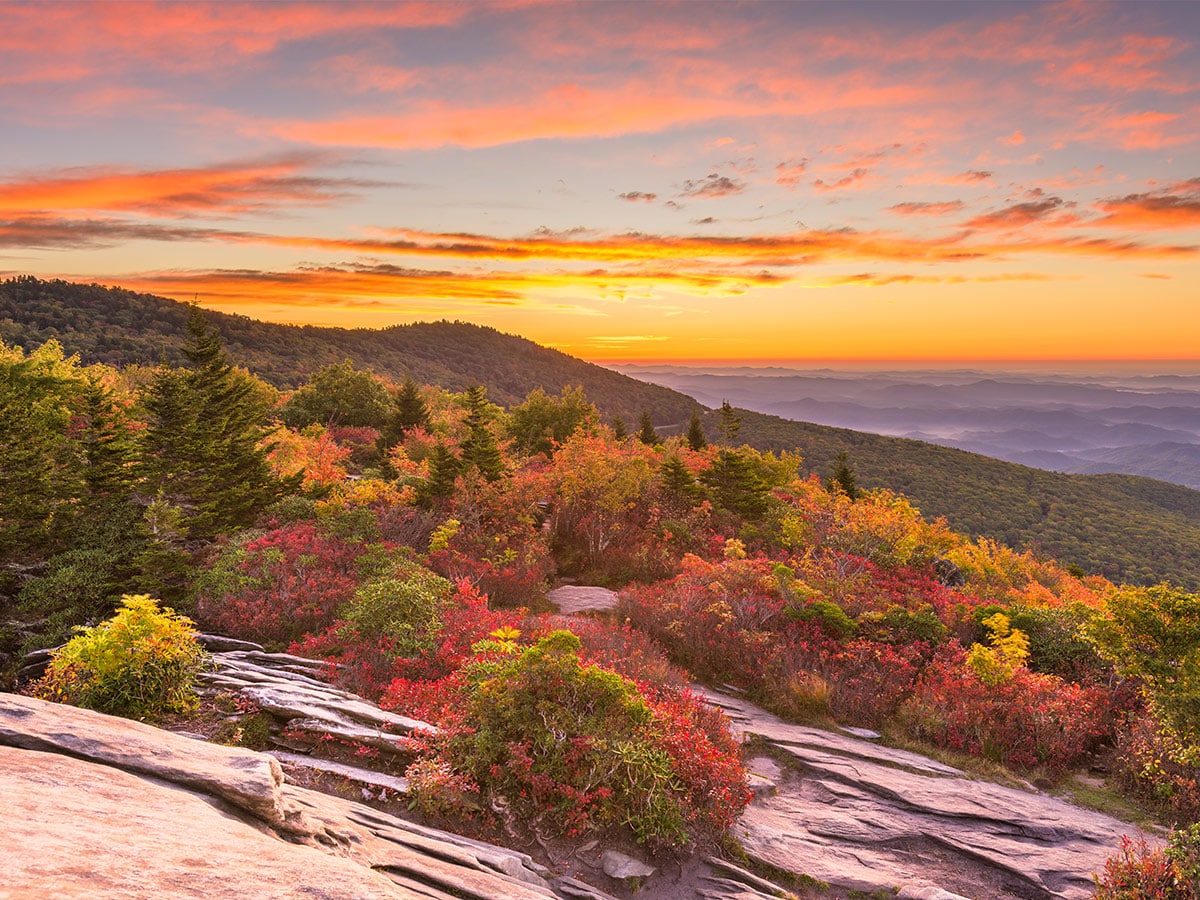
98 806
575 598
865 817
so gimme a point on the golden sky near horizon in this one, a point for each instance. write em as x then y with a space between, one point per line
626 181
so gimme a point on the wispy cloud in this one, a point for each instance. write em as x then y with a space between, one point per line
915 208
711 187
225 189
857 178
638 196
1048 211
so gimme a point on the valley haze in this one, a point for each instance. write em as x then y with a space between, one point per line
1083 417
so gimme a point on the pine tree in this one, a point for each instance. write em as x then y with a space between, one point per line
444 468
408 412
678 483
731 424
843 478
647 433
695 433
737 485
107 450
620 429
203 444
479 450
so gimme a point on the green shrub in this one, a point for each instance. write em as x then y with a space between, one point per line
574 748
405 605
141 663
828 615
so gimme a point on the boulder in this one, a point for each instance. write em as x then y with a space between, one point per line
621 867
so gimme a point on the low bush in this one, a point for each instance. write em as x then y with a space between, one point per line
278 586
140 664
1156 767
1025 721
1139 872
574 748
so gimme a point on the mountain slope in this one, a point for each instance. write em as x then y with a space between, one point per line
1126 527
120 327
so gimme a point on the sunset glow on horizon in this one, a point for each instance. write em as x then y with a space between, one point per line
626 181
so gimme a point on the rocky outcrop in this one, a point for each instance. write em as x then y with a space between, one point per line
865 817
101 806
828 806
572 599
287 688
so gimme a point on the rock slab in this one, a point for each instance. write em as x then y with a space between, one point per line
98 806
868 818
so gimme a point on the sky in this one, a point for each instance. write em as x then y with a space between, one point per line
694 181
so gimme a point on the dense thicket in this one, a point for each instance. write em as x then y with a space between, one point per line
415 561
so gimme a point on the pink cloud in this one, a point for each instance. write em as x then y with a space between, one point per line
927 209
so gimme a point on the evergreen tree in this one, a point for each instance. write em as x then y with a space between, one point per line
408 412
444 468
843 478
647 433
737 485
202 446
695 433
620 429
107 450
678 483
731 424
40 477
479 450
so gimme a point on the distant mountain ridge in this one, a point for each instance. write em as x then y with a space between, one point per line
1136 424
120 327
1125 527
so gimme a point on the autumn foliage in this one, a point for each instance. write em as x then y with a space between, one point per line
422 529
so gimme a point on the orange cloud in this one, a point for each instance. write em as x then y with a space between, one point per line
190 36
789 172
365 285
872 279
224 189
1145 130
856 179
1176 207
972 176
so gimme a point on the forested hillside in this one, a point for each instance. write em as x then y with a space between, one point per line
1127 528
1124 527
118 327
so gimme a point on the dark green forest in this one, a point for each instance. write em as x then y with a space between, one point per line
1127 528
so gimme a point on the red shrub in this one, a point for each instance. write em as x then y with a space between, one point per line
1137 873
1029 720
279 586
